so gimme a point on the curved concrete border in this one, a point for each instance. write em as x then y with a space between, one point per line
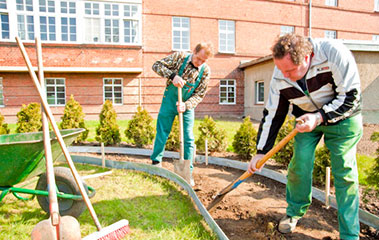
364 216
163 173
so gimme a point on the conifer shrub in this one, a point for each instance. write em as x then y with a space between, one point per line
108 130
373 173
322 160
73 117
140 128
217 141
3 126
173 141
285 154
244 141
29 118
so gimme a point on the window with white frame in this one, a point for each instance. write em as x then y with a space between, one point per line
330 34
68 21
55 91
332 3
102 22
259 92
113 90
286 29
227 91
226 31
376 5
180 33
1 92
4 20
375 38
25 19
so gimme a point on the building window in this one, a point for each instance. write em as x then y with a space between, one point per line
112 23
226 31
375 38
180 33
56 91
131 21
227 91
333 3
286 29
92 22
330 34
259 92
47 20
68 21
25 19
1 92
376 6
4 21
113 90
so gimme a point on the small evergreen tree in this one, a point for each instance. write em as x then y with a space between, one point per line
217 141
285 154
73 117
173 141
244 141
3 126
108 130
373 173
140 129
29 118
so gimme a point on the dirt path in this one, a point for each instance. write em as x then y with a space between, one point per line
253 209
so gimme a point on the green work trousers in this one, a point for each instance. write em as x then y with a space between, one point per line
341 140
166 117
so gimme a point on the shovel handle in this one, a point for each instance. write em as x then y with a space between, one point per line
180 116
58 134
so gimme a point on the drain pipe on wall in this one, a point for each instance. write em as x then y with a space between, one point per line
310 19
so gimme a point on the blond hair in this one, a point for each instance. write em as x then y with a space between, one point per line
297 46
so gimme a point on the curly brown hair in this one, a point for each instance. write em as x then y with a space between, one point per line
297 46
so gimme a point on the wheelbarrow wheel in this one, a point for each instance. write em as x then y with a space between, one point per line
66 184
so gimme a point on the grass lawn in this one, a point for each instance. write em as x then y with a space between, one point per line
155 208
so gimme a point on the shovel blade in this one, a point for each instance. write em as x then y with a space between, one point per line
182 168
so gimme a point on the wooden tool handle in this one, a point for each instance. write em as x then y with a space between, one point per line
180 116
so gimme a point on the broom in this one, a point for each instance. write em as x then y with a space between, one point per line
113 232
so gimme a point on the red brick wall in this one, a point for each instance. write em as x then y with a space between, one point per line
257 25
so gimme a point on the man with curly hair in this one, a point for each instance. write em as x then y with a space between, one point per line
320 79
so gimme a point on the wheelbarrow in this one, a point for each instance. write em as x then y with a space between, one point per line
22 157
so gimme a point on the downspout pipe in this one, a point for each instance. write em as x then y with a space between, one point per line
310 18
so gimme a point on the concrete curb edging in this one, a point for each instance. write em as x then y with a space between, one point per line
364 217
160 172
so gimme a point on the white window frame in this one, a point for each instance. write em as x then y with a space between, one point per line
286 29
25 19
226 36
332 3
110 86
375 38
181 34
259 92
1 93
4 21
376 5
226 89
56 91
330 34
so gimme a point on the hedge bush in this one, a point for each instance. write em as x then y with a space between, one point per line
244 141
217 141
108 130
29 118
140 128
322 160
373 173
285 154
3 126
73 117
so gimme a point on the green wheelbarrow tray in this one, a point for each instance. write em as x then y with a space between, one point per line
22 157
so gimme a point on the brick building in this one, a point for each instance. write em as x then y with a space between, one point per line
104 49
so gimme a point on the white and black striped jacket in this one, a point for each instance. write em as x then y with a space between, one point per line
333 84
